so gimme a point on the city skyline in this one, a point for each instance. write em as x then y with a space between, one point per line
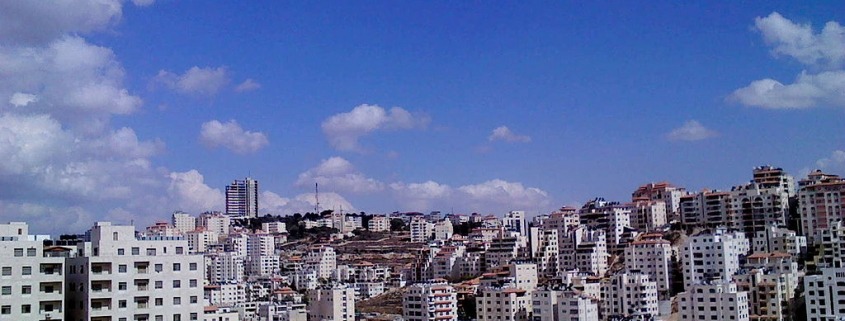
128 111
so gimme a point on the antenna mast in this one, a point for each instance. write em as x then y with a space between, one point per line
317 198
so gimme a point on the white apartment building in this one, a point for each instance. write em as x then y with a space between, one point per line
779 239
612 218
287 311
321 259
712 255
161 229
514 221
212 313
183 222
430 301
224 267
562 220
821 199
501 251
564 305
32 282
238 244
331 303
629 294
648 215
663 191
366 290
823 294
215 221
584 249
443 230
421 229
471 264
117 276
200 239
262 265
545 250
652 255
274 227
225 294
503 303
831 246
260 245
379 223
713 301
770 279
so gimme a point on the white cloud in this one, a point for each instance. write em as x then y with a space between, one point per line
124 143
425 196
192 194
835 163
807 91
247 85
231 136
498 195
503 133
825 50
343 130
798 41
38 22
338 174
206 81
22 99
691 130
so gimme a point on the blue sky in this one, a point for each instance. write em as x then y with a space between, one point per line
130 110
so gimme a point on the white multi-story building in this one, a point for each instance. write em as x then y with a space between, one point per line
831 246
770 279
662 191
821 200
652 255
443 230
200 239
712 255
823 294
563 305
321 259
713 301
238 244
430 301
503 303
612 218
274 227
215 221
629 294
32 282
331 303
379 223
648 215
514 221
242 198
563 220
118 276
287 311
421 229
183 222
262 265
545 250
779 239
260 245
224 267
225 294
584 249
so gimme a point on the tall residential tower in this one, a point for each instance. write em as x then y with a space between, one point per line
242 198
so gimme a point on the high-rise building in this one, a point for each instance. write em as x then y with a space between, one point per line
713 255
332 303
716 300
242 198
32 278
430 301
821 203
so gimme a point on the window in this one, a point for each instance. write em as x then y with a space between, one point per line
114 236
180 250
6 309
18 252
194 316
26 270
151 252
7 290
177 284
193 283
121 304
177 267
30 252
121 252
193 299
121 286
159 284
122 268
159 318
7 270
159 301
26 309
159 267
192 266
177 317
136 251
26 289
177 301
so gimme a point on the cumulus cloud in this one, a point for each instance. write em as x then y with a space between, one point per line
345 129
799 41
824 50
231 136
491 196
247 85
38 22
691 130
424 196
503 133
143 3
192 194
835 163
206 81
22 99
338 174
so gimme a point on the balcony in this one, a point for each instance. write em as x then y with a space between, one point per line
101 305
51 269
101 268
50 287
